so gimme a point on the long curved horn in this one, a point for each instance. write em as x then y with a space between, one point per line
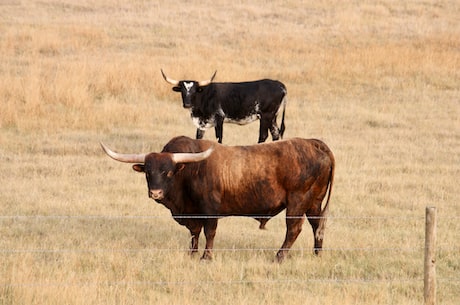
192 157
128 158
169 80
207 82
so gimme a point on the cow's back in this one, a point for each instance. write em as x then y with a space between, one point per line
288 162
248 89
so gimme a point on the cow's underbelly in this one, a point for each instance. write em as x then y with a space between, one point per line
243 121
253 211
203 124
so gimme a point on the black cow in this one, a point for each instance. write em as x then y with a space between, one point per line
212 104
199 182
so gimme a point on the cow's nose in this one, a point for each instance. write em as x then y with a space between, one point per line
156 194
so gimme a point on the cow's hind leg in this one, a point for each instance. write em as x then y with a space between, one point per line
274 130
268 123
265 123
294 222
318 240
315 216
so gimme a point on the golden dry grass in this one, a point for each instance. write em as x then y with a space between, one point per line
378 81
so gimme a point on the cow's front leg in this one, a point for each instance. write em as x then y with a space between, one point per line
219 128
199 133
195 230
194 242
210 227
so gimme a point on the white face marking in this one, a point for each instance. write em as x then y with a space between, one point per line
188 86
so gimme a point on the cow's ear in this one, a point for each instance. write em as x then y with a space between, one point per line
177 89
200 89
139 168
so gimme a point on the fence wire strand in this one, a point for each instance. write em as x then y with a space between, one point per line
279 216
116 217
213 283
364 249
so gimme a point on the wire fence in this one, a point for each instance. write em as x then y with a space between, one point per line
5 251
233 249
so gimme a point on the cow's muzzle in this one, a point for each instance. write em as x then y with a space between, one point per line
156 194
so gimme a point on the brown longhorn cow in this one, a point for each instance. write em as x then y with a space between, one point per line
200 181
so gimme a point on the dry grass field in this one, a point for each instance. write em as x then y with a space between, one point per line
378 81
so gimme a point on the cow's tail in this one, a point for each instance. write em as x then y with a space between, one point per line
282 126
323 215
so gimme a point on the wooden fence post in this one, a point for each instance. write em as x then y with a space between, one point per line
430 257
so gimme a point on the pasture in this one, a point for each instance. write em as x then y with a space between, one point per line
378 81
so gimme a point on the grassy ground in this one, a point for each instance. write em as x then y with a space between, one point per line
378 81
